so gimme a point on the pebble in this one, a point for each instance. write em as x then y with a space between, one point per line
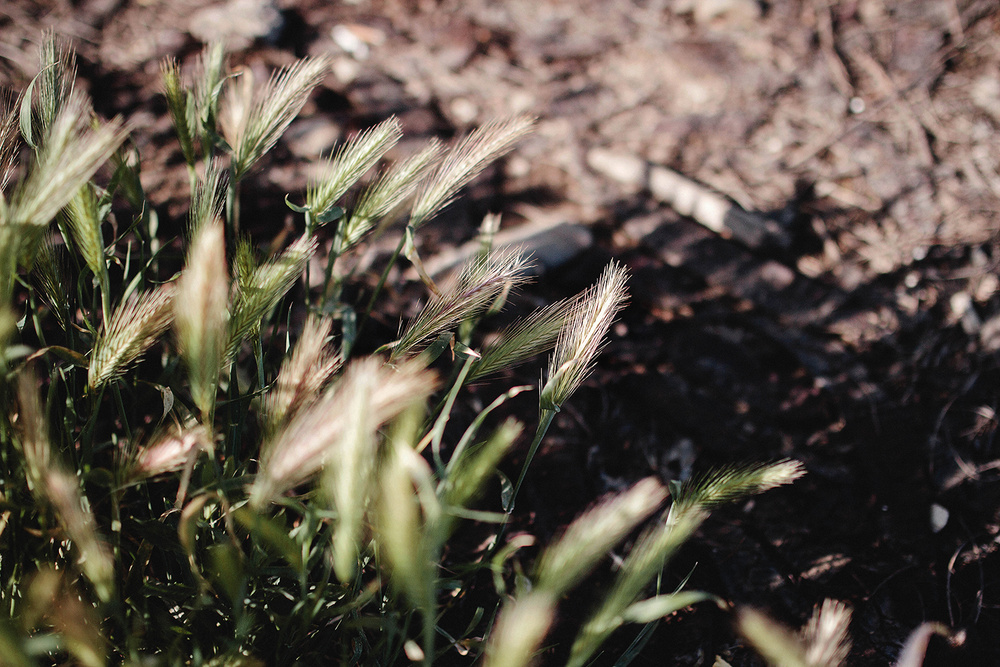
622 167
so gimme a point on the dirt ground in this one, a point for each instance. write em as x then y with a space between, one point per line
845 312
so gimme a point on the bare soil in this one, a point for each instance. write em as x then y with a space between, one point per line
864 343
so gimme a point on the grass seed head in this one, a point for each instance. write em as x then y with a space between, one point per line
480 282
347 165
303 375
132 330
258 289
201 315
71 151
303 447
593 534
583 336
254 118
168 453
388 192
464 162
520 630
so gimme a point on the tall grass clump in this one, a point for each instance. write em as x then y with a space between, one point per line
198 464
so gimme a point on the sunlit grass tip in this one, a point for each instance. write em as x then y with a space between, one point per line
301 449
344 167
583 336
169 452
593 534
519 632
253 118
178 101
465 161
734 482
823 642
207 198
70 152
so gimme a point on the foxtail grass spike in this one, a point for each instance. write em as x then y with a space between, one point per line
208 198
201 315
84 221
478 285
519 632
70 152
592 535
526 338
8 142
583 336
302 377
347 165
210 74
253 119
169 452
735 482
349 478
178 101
388 192
258 289
302 447
464 162
826 635
51 277
133 328
51 89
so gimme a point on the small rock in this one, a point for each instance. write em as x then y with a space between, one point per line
237 23
939 518
622 167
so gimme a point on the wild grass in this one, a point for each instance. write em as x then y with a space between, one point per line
249 489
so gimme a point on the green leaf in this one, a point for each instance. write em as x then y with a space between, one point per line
334 213
272 532
295 207
506 492
646 611
226 571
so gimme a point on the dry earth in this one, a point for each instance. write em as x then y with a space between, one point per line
847 314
